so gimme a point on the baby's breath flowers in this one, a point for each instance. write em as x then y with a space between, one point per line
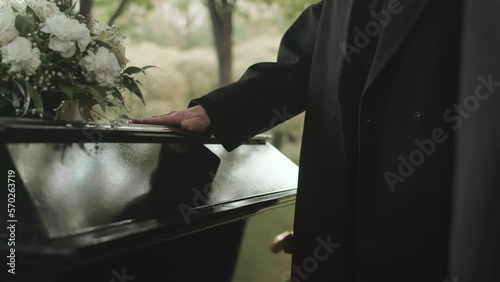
48 54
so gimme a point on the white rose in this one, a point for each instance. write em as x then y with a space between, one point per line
65 33
19 5
20 55
43 8
102 67
8 29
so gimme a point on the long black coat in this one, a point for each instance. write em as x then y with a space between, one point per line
383 218
475 252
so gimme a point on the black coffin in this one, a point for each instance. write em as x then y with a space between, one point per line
96 203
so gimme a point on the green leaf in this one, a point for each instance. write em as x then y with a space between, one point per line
102 44
3 102
27 98
132 70
20 86
37 99
27 101
15 99
24 24
98 96
148 67
4 67
47 58
69 90
136 70
30 13
118 95
16 103
132 86
70 9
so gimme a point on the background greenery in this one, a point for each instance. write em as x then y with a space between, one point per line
179 36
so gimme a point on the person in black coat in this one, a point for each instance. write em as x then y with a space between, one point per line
378 81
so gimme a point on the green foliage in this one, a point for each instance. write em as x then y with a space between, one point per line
25 23
70 10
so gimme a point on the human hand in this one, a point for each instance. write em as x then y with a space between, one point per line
192 119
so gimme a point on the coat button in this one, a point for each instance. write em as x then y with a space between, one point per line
419 116
367 120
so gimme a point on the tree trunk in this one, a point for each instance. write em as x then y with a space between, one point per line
221 13
118 12
86 7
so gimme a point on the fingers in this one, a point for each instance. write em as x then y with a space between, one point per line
192 119
172 119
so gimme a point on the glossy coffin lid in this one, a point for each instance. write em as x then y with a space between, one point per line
79 187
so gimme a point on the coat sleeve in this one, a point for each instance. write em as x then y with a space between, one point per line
268 93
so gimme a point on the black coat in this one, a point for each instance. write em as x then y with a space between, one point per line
363 213
475 252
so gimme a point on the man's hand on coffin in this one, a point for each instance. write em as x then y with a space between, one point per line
193 119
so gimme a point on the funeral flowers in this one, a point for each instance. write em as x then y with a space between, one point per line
65 34
48 54
21 57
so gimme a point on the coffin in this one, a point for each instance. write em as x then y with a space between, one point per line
94 202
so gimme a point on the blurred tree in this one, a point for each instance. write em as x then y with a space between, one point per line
290 8
86 7
124 4
221 13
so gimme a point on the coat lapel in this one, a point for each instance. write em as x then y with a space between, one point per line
341 12
393 35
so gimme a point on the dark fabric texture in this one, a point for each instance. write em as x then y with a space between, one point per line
364 212
475 250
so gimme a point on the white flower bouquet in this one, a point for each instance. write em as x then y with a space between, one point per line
49 57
